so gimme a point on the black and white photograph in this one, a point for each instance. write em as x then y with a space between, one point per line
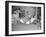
24 18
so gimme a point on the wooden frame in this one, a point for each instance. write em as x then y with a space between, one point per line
7 17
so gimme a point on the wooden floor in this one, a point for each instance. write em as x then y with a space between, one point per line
22 27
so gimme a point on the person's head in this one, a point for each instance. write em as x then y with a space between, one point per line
15 14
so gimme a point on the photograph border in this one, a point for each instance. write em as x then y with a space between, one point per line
7 17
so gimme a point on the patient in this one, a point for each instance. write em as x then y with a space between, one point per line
23 17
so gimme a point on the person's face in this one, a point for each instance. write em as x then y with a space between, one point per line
15 15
